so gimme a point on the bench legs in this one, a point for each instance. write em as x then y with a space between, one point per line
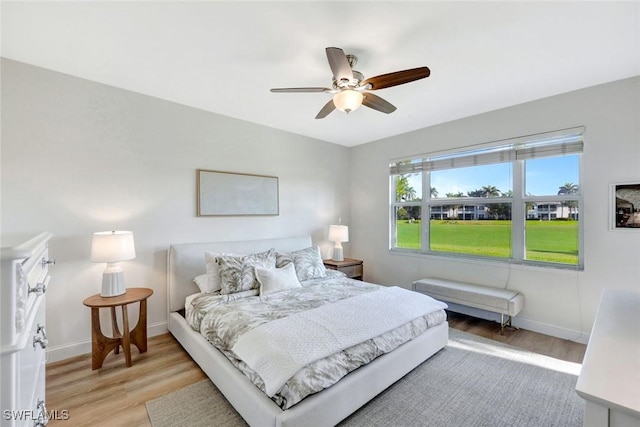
503 323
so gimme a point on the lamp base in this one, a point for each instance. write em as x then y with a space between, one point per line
112 281
338 253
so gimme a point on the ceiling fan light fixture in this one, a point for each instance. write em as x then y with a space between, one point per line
348 85
348 100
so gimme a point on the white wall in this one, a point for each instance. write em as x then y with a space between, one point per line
80 157
560 303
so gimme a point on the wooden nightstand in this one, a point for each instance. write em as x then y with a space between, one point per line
102 345
353 268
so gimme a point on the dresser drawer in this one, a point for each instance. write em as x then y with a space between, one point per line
36 268
32 359
34 281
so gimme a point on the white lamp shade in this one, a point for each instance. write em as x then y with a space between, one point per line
112 246
338 233
348 100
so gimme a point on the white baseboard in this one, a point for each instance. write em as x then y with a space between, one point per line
524 323
65 351
551 330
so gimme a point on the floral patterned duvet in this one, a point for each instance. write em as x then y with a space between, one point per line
221 319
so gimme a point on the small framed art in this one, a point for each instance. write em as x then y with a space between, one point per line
625 206
228 193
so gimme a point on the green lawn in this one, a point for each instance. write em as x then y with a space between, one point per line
551 241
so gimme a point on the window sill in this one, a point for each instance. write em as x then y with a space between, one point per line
506 263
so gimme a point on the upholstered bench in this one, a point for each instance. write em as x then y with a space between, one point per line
497 300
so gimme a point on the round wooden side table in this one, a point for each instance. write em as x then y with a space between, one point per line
101 345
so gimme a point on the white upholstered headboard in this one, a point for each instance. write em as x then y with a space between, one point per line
186 261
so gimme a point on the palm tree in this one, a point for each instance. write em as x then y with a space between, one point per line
567 189
404 191
502 210
486 191
434 192
458 194
490 191
454 208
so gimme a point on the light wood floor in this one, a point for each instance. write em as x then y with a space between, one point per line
532 341
115 395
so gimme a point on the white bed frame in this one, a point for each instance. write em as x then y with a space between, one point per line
326 408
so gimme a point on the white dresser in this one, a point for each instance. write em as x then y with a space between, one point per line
23 337
610 377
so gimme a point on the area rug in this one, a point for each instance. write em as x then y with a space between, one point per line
471 382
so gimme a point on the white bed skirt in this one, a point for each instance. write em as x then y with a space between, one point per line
326 408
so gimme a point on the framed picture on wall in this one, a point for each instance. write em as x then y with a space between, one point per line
227 193
625 206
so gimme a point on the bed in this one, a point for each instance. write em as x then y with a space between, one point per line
325 408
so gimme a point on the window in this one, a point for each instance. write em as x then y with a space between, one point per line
516 201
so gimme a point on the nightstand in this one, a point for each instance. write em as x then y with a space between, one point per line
353 268
101 345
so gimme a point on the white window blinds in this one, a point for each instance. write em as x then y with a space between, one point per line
560 143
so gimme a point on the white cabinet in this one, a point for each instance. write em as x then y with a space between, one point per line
23 336
610 377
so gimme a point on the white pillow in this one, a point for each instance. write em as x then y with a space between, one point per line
213 272
274 280
203 282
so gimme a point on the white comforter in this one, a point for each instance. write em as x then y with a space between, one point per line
278 349
223 320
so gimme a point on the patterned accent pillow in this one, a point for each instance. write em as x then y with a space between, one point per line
307 262
213 282
237 272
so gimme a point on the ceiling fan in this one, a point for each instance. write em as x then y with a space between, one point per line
351 89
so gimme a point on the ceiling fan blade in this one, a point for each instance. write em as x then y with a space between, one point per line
339 63
328 108
398 78
300 89
377 103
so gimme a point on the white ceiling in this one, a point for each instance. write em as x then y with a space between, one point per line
224 56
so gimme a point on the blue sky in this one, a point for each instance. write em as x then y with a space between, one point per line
543 177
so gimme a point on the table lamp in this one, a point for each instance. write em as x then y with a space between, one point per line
338 234
112 247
